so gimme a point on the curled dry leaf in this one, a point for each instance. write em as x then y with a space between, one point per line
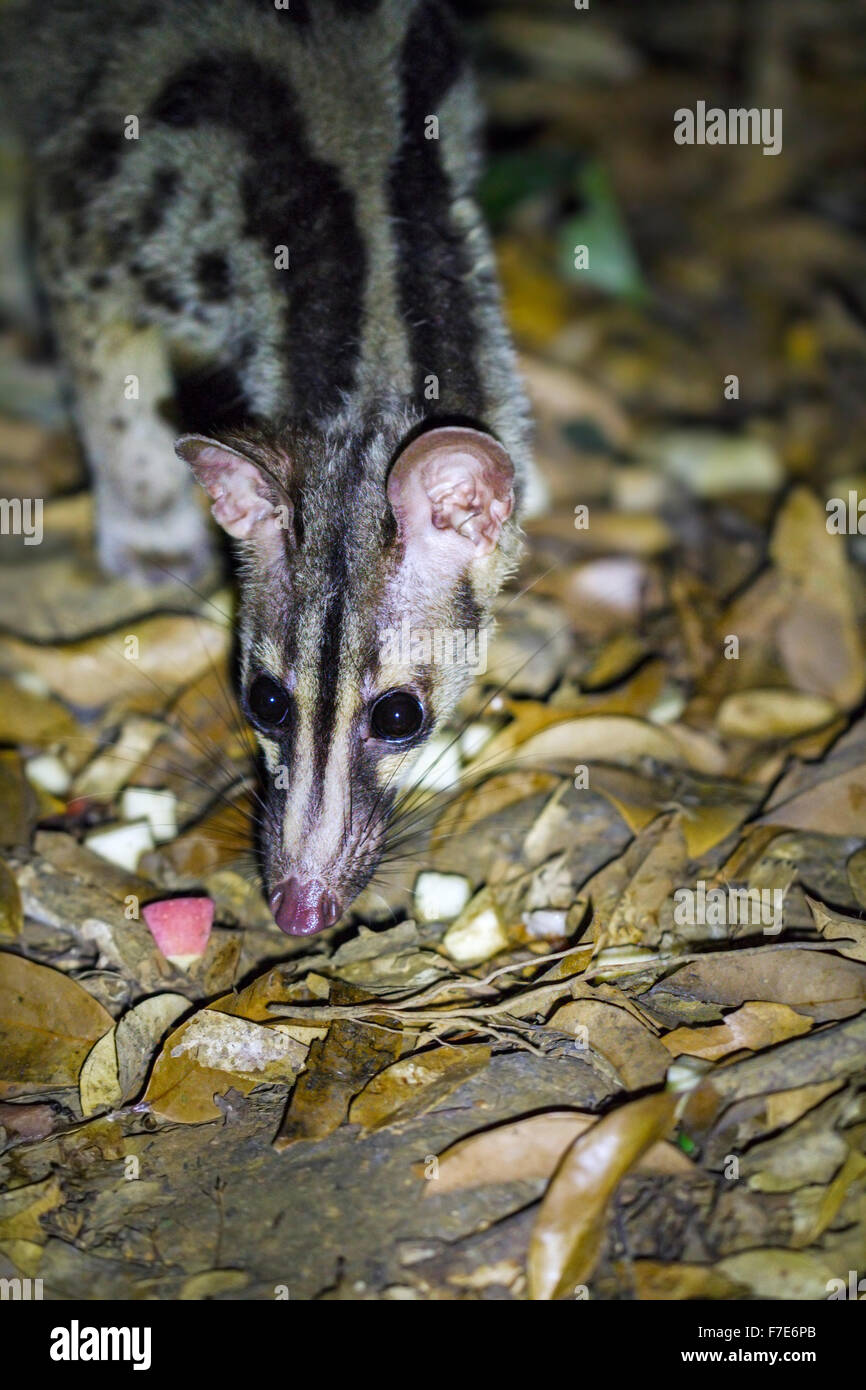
171 648
338 1068
848 932
815 983
531 1148
567 1236
98 1083
11 913
116 1067
613 738
676 1282
495 794
634 1052
753 1026
819 637
48 1024
416 1084
772 714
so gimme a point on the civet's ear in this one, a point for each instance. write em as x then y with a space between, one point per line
241 492
452 489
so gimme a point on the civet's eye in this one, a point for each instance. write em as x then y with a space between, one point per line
268 702
396 716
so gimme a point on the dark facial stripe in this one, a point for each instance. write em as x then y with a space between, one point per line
433 261
290 198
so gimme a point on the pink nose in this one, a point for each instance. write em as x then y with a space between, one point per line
302 909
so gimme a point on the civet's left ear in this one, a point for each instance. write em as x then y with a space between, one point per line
240 492
452 489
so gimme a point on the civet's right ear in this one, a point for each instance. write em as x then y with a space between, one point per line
241 492
451 491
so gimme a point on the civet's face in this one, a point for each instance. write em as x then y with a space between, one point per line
366 591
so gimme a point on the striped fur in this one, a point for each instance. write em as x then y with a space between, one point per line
261 128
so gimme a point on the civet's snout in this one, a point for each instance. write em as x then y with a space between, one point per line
302 909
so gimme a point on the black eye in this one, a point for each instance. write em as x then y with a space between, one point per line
268 702
396 716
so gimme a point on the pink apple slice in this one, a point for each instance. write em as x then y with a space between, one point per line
180 927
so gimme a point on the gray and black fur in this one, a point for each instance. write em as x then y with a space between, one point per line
260 128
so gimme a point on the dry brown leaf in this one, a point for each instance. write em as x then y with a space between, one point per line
769 1272
635 1053
215 1052
492 796
566 1239
816 1208
11 912
819 636
856 868
610 738
773 714
814 983
172 649
530 1148
338 1068
21 1210
630 895
753 1026
19 803
31 719
48 1024
848 932
416 1084
676 1282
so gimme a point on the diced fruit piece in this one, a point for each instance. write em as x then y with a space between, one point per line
180 927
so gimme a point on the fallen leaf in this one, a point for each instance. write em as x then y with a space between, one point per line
848 932
753 1026
678 1282
11 912
636 1055
338 1068
781 1274
98 1083
530 1148
212 1053
814 983
416 1084
819 637
495 794
48 1024
567 1236
771 714
170 648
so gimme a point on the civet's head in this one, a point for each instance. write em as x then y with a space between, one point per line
369 566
